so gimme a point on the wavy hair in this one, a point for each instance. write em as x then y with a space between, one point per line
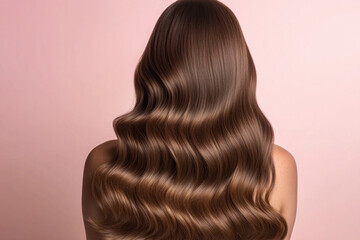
194 155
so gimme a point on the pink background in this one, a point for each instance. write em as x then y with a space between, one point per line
66 71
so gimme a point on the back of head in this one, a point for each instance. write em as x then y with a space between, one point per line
198 59
194 155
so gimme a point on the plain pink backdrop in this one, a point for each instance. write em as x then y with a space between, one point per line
66 71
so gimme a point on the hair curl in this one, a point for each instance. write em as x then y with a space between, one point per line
195 153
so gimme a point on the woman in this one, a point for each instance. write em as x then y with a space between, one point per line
195 158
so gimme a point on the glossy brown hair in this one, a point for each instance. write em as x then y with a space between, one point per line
195 153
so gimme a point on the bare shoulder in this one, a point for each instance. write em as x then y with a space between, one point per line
284 159
286 185
102 153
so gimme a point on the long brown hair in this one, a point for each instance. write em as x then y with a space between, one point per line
195 153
